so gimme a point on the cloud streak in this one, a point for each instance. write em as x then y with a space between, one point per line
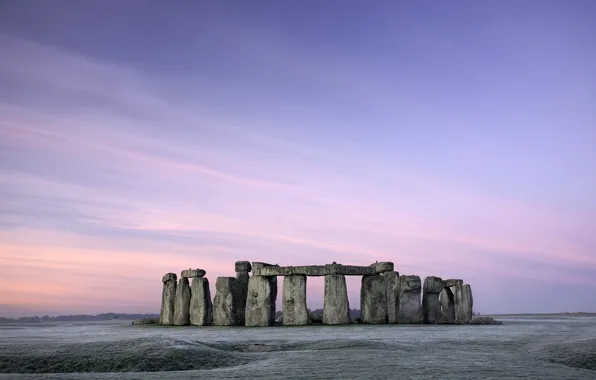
112 174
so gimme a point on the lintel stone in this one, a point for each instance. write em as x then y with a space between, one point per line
193 273
314 270
452 282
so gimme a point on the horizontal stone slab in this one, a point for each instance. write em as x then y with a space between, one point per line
191 273
314 270
451 282
386 266
242 266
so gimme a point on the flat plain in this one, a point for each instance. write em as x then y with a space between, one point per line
524 347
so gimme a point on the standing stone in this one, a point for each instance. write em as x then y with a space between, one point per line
447 306
168 299
373 299
463 303
201 308
225 302
392 288
410 309
431 306
260 302
294 301
336 310
182 306
242 269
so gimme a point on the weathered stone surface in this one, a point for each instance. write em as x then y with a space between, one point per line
260 265
392 288
313 270
242 266
242 278
410 308
168 299
192 273
201 308
336 309
146 321
294 301
447 306
225 302
452 282
260 301
182 305
431 306
485 321
463 303
383 267
373 299
169 276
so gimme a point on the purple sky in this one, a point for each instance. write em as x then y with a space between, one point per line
455 139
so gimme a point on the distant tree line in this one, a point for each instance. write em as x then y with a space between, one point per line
79 317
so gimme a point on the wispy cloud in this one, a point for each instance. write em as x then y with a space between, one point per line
108 179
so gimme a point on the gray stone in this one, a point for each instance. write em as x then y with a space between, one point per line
464 303
294 308
392 288
410 308
242 278
312 270
447 306
452 282
193 273
201 308
242 266
225 302
431 306
182 305
336 309
168 299
261 265
383 267
373 300
146 321
260 301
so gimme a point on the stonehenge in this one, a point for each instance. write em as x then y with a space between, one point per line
249 298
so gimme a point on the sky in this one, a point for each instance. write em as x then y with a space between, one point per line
455 139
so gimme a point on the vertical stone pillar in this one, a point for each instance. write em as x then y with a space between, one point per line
225 302
431 306
201 308
242 269
463 303
392 287
168 299
182 304
410 308
260 301
447 306
373 299
294 308
336 310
